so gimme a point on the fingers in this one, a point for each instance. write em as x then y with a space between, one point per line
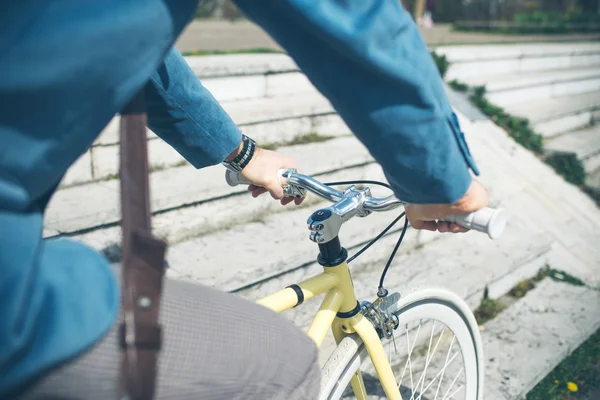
276 191
445 227
454 228
286 200
425 225
258 191
441 226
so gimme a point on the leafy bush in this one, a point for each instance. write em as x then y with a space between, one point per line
568 166
518 128
458 86
538 22
565 164
593 193
541 17
441 62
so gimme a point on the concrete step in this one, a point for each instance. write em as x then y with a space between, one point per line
585 143
527 340
537 199
267 120
197 219
248 113
554 116
509 89
87 207
488 60
260 75
227 65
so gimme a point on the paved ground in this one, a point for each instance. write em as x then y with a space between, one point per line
224 35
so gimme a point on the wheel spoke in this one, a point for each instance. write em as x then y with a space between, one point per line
438 374
456 391
430 357
409 353
409 361
444 369
452 384
427 358
427 370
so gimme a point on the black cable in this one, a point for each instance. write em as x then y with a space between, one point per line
359 183
387 266
375 239
381 290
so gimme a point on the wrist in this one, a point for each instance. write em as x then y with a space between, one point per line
475 198
241 157
235 152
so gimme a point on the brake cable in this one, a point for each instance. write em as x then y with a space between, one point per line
381 291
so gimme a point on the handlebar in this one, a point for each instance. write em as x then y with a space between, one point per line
487 220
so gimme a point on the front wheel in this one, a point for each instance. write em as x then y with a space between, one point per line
435 352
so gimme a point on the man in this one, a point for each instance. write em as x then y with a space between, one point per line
67 68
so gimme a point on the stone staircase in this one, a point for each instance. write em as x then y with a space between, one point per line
210 227
555 86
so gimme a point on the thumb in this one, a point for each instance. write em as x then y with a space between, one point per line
275 189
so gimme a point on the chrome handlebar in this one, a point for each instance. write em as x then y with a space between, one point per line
354 202
368 203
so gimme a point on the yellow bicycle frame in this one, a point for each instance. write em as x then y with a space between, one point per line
340 298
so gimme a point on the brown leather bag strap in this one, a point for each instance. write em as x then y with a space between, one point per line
142 262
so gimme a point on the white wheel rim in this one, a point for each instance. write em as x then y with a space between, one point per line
448 310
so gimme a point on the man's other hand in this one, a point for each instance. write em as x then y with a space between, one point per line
428 216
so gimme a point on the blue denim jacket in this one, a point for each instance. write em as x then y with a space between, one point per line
67 70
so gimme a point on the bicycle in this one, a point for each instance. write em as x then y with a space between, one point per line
362 329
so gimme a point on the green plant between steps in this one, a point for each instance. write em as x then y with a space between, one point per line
518 128
565 164
579 372
255 50
489 308
442 63
458 86
569 166
311 137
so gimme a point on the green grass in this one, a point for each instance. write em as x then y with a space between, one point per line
489 308
593 193
518 128
458 86
256 50
570 166
441 62
311 137
582 367
566 165
111 177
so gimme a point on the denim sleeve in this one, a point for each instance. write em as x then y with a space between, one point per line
369 60
184 114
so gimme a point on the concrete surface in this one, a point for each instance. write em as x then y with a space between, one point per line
532 336
225 35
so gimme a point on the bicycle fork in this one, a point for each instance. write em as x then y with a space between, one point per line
345 317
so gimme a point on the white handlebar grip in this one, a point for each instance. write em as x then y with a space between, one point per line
487 220
235 178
